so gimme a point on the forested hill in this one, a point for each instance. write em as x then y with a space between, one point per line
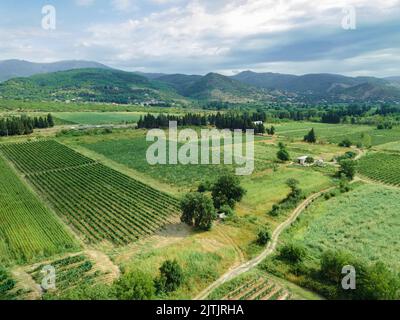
115 86
98 85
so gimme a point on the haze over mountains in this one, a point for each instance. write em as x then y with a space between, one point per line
91 81
20 68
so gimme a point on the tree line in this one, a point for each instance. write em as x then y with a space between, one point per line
219 120
22 125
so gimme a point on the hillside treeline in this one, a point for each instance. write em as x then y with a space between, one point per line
22 125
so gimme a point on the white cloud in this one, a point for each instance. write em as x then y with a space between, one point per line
210 35
193 31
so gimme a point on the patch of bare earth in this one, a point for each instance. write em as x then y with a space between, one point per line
27 284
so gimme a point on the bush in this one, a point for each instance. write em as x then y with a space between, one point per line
346 143
227 210
292 253
263 237
276 210
204 187
135 285
310 160
171 277
375 282
283 154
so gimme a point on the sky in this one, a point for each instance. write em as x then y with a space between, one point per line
350 37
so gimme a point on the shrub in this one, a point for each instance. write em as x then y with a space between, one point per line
346 143
310 160
171 277
227 210
135 285
292 253
276 210
283 154
263 237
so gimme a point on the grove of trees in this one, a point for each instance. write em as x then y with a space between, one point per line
23 125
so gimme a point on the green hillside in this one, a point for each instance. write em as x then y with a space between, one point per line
99 85
214 86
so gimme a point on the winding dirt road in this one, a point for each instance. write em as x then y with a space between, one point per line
233 273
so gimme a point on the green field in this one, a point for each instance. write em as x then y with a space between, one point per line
99 118
390 147
335 133
364 222
28 231
102 204
132 153
383 167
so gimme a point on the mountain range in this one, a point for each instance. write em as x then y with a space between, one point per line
92 81
19 68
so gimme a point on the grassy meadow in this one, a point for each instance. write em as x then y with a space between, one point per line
363 222
335 133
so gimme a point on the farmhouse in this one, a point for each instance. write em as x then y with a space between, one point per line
302 160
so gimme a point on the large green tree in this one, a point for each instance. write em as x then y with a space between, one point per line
227 191
347 169
198 210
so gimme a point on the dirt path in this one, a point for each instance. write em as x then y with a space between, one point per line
268 251
104 264
239 253
360 154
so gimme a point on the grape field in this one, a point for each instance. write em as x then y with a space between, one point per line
253 287
383 167
99 202
30 157
69 272
28 231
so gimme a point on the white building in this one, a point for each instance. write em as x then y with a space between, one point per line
302 160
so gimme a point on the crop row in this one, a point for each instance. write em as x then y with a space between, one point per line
99 202
257 288
30 157
382 167
104 204
69 272
28 229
